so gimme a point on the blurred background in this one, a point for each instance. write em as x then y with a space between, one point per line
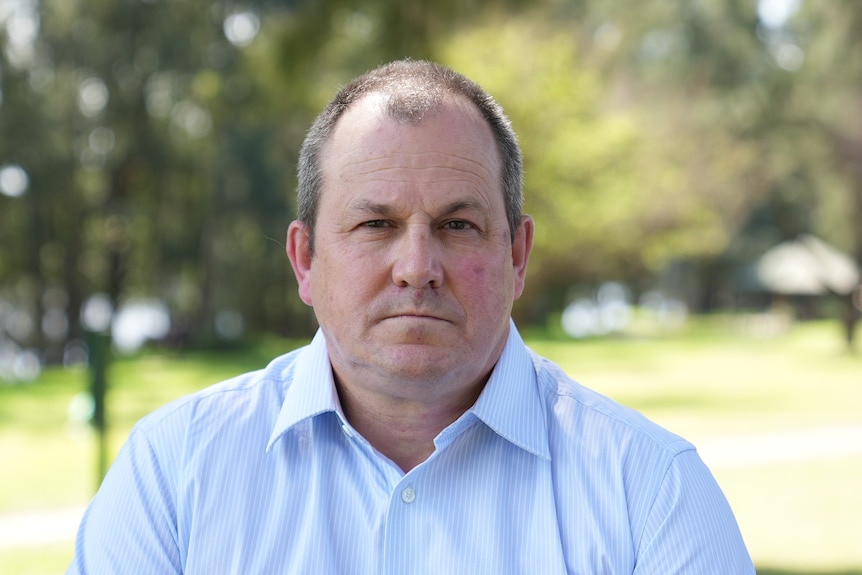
694 168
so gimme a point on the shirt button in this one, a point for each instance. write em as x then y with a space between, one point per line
408 495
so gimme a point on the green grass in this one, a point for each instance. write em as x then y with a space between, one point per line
713 380
44 560
40 444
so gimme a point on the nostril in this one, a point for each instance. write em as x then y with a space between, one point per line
418 272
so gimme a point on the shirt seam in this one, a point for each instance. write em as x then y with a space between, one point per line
664 478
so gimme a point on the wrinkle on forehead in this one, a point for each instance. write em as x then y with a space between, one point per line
385 209
429 167
419 161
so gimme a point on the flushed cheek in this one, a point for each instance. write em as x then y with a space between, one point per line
478 271
482 284
482 272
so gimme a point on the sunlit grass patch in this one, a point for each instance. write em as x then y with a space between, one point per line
41 560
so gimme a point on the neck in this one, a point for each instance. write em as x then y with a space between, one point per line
402 429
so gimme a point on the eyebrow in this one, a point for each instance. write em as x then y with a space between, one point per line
372 207
459 205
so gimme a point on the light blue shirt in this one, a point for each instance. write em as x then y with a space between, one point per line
262 474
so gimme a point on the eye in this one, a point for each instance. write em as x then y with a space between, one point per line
375 224
458 225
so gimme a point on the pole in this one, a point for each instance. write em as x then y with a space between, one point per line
99 346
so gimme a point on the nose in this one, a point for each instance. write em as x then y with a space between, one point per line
417 261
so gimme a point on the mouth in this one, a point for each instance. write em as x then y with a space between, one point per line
418 312
415 316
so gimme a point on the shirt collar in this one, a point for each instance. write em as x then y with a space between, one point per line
311 390
509 404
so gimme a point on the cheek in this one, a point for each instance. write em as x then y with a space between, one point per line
346 279
478 270
484 279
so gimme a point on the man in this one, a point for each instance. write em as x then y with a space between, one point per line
416 433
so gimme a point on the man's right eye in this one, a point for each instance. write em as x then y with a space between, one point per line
375 224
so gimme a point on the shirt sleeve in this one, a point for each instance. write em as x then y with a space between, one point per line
130 526
691 528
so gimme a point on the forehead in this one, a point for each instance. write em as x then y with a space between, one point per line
451 136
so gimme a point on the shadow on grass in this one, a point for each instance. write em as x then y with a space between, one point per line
785 571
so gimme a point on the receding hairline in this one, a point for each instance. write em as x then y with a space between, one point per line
381 110
387 106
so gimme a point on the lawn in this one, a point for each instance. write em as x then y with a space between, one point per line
714 380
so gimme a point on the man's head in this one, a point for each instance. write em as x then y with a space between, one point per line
411 90
417 260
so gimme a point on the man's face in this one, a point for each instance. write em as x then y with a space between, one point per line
414 273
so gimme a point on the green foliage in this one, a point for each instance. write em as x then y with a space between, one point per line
161 154
617 191
578 159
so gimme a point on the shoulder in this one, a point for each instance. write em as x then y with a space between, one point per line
602 446
250 398
611 462
577 412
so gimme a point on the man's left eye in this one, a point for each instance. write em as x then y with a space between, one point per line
457 225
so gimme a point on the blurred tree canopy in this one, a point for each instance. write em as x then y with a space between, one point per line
148 147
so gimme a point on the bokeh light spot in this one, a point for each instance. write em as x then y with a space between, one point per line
13 181
241 28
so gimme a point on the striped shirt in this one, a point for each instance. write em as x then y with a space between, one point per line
263 474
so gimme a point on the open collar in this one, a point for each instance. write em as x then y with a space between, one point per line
311 391
509 404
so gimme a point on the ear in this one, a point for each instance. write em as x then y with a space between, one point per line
299 253
522 244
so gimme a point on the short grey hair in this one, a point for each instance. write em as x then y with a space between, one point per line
412 89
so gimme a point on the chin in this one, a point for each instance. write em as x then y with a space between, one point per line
431 333
417 361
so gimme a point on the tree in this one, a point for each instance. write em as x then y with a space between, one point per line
158 140
614 194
